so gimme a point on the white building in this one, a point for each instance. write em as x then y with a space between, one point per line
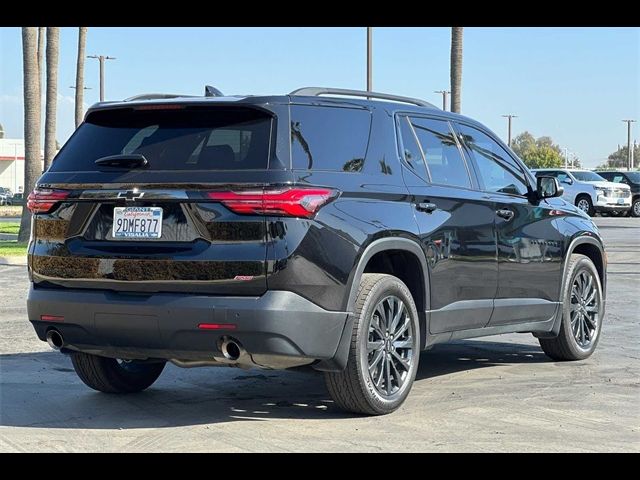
12 164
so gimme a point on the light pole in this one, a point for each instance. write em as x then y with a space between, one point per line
630 150
509 116
369 59
444 98
101 59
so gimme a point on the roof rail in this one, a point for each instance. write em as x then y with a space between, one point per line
155 96
317 91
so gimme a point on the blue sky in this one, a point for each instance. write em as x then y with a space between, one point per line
573 84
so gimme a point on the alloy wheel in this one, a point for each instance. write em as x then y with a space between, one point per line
390 346
584 309
636 209
583 205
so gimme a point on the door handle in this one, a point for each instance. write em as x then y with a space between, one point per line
505 213
426 207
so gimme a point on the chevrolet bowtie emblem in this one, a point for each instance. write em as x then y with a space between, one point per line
131 195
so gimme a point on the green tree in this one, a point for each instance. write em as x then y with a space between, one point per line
620 158
537 153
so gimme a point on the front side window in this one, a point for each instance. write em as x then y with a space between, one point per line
329 138
444 162
497 171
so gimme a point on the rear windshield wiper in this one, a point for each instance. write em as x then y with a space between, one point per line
131 160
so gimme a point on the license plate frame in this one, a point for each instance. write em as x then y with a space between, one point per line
137 223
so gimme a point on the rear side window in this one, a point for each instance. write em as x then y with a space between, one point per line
181 139
442 156
329 138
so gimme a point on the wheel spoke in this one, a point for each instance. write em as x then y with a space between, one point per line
375 361
378 381
375 345
396 318
397 375
403 361
407 343
387 372
405 326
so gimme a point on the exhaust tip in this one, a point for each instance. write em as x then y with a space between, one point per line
231 349
54 339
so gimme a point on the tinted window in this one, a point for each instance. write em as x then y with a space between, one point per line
328 138
586 176
497 171
442 157
411 152
634 177
185 139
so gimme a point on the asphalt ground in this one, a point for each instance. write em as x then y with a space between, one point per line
498 393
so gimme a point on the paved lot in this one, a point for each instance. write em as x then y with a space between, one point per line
496 394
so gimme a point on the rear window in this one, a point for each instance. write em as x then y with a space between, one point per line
329 138
180 139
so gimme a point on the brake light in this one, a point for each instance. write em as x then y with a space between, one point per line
43 200
288 202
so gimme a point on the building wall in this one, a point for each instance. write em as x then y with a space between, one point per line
12 164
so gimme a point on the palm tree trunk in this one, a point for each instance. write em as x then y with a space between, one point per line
53 47
82 42
456 68
41 50
32 111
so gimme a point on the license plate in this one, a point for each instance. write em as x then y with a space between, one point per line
137 222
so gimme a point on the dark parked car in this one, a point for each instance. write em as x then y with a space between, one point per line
16 199
629 178
345 234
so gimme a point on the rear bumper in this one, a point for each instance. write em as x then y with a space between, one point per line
278 329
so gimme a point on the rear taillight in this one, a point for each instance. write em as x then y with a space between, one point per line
43 200
288 202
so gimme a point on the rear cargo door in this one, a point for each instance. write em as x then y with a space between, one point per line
132 202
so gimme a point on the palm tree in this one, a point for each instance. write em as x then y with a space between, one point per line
41 48
456 68
82 42
32 110
53 47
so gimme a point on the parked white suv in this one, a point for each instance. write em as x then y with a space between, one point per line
589 191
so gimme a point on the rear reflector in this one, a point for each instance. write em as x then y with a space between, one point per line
51 318
43 200
217 326
288 202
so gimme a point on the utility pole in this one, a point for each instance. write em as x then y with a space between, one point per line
101 59
444 98
369 59
566 157
510 116
629 147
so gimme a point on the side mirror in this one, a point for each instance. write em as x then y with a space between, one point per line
567 180
548 187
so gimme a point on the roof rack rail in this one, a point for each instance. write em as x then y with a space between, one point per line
155 96
317 91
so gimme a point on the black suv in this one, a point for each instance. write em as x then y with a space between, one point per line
347 232
629 178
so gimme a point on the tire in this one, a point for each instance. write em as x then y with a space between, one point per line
566 345
355 389
635 208
109 375
584 203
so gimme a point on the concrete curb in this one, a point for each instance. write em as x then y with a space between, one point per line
14 260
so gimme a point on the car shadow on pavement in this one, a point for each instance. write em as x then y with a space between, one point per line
41 390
